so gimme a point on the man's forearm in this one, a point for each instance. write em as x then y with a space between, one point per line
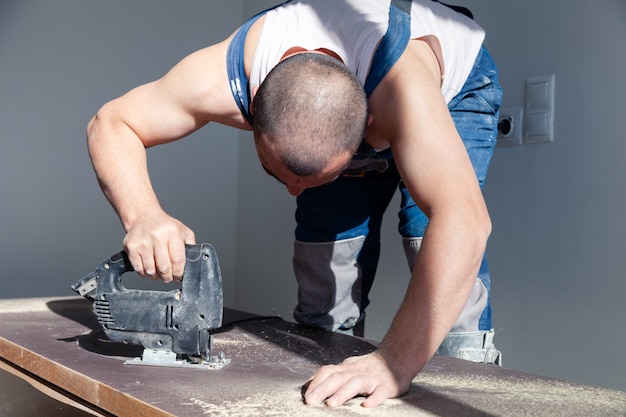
442 279
119 161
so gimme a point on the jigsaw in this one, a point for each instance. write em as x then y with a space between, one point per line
174 327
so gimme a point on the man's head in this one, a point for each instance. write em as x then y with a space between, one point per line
309 112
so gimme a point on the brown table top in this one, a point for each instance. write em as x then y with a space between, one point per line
58 340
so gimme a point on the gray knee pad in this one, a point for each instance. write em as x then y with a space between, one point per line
329 283
472 346
411 247
464 341
476 303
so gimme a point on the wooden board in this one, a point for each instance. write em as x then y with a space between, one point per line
59 343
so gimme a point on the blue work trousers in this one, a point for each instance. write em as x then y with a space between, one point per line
353 205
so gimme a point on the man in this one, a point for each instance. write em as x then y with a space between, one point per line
424 121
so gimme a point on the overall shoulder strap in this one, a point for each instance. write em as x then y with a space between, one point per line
239 83
392 45
395 40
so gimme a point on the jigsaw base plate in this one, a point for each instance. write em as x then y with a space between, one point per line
155 357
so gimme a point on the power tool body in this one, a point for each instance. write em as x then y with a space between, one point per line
175 327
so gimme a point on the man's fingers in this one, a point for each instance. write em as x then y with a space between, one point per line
177 257
318 386
354 387
150 261
376 398
340 388
335 388
189 236
156 248
163 263
367 375
147 266
135 262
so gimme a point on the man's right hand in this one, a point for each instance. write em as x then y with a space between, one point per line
156 246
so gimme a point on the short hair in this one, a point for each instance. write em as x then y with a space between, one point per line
310 107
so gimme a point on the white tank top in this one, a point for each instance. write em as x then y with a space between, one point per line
353 28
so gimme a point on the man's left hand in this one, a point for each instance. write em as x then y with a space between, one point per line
369 375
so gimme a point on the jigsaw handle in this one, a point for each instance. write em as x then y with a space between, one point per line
112 270
108 274
107 278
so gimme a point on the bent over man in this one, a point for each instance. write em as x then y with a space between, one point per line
348 100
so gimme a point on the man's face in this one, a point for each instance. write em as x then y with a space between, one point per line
294 183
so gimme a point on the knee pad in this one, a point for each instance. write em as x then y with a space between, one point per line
329 283
472 346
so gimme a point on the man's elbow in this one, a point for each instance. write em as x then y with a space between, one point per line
90 128
103 114
483 227
102 125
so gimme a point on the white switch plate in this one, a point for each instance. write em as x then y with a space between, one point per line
539 109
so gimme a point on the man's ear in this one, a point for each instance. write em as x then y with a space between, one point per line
254 90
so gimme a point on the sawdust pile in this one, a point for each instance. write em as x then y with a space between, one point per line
289 404
435 394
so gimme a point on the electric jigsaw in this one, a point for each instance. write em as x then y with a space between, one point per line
174 327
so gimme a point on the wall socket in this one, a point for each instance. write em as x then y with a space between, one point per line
510 125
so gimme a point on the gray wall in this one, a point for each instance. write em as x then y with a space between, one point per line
559 240
59 62
556 250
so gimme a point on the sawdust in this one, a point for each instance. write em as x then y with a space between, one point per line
440 389
242 341
433 393
289 403
254 349
520 394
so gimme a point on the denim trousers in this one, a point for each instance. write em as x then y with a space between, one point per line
351 209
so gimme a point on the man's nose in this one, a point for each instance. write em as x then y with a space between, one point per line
294 191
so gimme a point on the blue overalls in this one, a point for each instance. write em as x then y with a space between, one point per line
337 245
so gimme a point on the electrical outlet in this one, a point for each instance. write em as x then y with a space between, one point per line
510 127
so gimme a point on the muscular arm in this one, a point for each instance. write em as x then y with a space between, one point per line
437 171
190 95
